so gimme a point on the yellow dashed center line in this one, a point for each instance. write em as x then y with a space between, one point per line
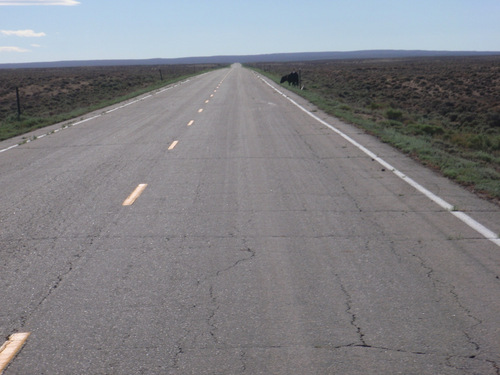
174 143
11 347
16 341
135 194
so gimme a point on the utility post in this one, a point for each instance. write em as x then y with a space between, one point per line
161 75
18 104
300 79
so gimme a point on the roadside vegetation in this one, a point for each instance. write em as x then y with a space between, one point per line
51 95
444 112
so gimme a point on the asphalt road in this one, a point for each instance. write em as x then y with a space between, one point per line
262 242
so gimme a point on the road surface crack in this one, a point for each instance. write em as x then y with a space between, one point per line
210 320
247 250
462 366
455 298
214 304
54 285
353 316
243 360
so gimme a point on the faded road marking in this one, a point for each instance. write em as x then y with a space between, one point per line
135 194
11 347
174 143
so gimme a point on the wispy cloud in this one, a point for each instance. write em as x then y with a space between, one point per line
22 33
13 49
39 2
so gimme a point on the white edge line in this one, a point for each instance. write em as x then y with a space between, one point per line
478 227
88 119
9 148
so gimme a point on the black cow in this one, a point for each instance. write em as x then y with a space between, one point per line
292 79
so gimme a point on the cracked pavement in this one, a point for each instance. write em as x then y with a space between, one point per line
263 244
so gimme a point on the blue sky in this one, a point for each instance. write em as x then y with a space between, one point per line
53 30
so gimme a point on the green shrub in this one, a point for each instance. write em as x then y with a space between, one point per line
494 119
492 187
483 156
424 129
394 114
374 106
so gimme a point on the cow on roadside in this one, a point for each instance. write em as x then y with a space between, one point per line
292 79
284 78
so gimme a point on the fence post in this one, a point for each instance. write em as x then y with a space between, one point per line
161 75
18 103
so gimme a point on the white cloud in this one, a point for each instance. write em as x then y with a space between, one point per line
39 2
13 49
22 33
35 45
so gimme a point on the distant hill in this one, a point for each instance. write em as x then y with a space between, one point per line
275 57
